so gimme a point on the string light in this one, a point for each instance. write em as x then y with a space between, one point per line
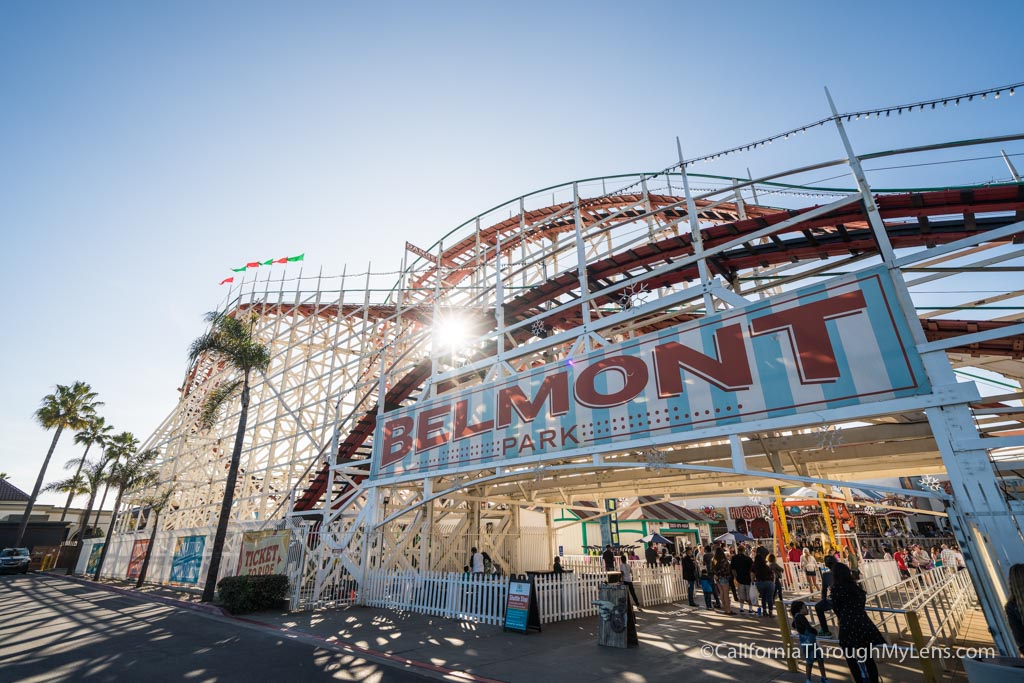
856 116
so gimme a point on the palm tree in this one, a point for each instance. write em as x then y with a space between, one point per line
67 408
92 476
96 433
231 341
136 470
115 448
156 503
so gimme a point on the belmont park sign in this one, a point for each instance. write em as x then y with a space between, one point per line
841 343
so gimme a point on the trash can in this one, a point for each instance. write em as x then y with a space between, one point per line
617 625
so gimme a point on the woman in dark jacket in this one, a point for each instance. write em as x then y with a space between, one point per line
690 575
857 633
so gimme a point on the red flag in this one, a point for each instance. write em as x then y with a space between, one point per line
253 264
282 260
227 280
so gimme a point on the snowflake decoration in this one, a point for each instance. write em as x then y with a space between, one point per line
538 329
634 295
766 512
872 511
931 483
829 437
655 459
755 496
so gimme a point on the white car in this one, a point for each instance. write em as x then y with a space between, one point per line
14 560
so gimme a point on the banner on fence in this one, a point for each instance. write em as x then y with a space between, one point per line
837 344
263 552
138 555
188 559
94 558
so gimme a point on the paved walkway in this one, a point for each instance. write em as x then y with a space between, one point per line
674 642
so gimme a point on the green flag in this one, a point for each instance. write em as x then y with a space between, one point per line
293 259
239 270
268 262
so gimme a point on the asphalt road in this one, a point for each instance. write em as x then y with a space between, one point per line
56 630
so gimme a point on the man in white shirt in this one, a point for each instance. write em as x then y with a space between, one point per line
476 563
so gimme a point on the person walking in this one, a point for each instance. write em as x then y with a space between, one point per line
651 555
808 641
708 587
627 578
809 565
708 564
741 565
764 579
609 558
723 579
476 561
857 633
779 572
690 576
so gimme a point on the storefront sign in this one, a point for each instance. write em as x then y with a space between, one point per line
263 552
837 344
138 555
188 559
748 512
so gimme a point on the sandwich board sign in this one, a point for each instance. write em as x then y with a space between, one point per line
521 610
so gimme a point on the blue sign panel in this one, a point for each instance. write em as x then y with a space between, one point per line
188 559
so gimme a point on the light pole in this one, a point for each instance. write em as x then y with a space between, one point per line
380 560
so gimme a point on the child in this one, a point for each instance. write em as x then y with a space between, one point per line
808 640
707 587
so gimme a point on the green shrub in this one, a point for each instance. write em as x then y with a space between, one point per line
242 594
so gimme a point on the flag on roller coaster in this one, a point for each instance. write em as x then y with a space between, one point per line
269 262
227 280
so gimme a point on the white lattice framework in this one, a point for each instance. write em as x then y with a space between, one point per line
549 276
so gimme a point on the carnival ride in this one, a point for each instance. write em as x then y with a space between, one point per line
535 282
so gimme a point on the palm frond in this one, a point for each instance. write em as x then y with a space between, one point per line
215 402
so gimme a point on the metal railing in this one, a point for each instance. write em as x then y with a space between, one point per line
918 614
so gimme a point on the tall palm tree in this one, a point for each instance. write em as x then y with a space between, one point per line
231 341
95 433
115 449
134 471
156 504
70 407
92 476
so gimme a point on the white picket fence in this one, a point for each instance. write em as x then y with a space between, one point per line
481 598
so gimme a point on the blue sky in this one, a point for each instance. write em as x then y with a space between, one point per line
146 148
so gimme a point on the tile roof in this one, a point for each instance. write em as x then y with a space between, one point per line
10 492
654 511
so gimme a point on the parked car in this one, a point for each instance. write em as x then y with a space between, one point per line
14 560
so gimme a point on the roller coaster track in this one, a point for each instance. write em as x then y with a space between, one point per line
909 221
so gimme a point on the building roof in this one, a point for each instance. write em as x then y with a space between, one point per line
653 510
10 492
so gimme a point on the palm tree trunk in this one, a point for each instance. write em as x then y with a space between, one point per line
110 532
229 494
35 492
78 471
103 499
82 531
149 550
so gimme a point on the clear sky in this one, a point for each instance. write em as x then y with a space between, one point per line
146 148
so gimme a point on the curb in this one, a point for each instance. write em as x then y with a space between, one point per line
203 607
333 644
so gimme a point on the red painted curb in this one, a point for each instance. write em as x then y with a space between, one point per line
334 644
